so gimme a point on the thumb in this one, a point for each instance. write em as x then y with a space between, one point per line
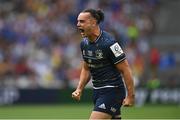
125 103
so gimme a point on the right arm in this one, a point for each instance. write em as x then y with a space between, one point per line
84 79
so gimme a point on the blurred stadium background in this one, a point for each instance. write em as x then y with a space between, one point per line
40 56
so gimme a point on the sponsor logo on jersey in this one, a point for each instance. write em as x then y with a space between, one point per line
89 53
116 49
102 106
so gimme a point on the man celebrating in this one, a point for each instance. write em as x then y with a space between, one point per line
105 62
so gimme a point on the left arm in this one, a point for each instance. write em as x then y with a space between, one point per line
124 68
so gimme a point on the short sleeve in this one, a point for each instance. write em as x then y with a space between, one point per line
115 52
82 50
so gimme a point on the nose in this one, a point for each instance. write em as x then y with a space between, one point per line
78 24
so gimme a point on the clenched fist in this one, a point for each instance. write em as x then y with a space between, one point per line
129 101
77 95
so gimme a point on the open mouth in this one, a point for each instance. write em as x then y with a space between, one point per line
81 30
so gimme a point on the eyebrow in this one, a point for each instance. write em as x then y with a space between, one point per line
81 20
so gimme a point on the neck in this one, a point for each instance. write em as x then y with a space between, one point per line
96 32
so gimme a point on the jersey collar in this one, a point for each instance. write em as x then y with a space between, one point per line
98 37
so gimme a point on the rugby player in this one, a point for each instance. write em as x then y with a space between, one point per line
105 62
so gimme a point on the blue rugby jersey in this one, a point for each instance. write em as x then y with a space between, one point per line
101 57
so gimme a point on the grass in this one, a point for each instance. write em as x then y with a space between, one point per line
152 112
82 111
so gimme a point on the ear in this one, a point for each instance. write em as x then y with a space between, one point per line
94 22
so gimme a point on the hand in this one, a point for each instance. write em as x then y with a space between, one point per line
129 101
77 95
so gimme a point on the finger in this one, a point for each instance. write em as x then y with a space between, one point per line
74 95
127 105
124 102
77 98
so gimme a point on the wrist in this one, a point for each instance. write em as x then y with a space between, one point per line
131 95
79 90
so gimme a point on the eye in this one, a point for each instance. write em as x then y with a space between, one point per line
81 21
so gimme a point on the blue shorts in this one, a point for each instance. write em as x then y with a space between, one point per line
109 100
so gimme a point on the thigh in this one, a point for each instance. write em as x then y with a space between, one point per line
99 115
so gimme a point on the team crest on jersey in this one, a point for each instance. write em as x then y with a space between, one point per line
99 54
116 49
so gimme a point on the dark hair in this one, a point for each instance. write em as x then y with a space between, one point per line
97 14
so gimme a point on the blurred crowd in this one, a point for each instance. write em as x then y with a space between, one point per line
39 42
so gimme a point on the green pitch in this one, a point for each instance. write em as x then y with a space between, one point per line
82 111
